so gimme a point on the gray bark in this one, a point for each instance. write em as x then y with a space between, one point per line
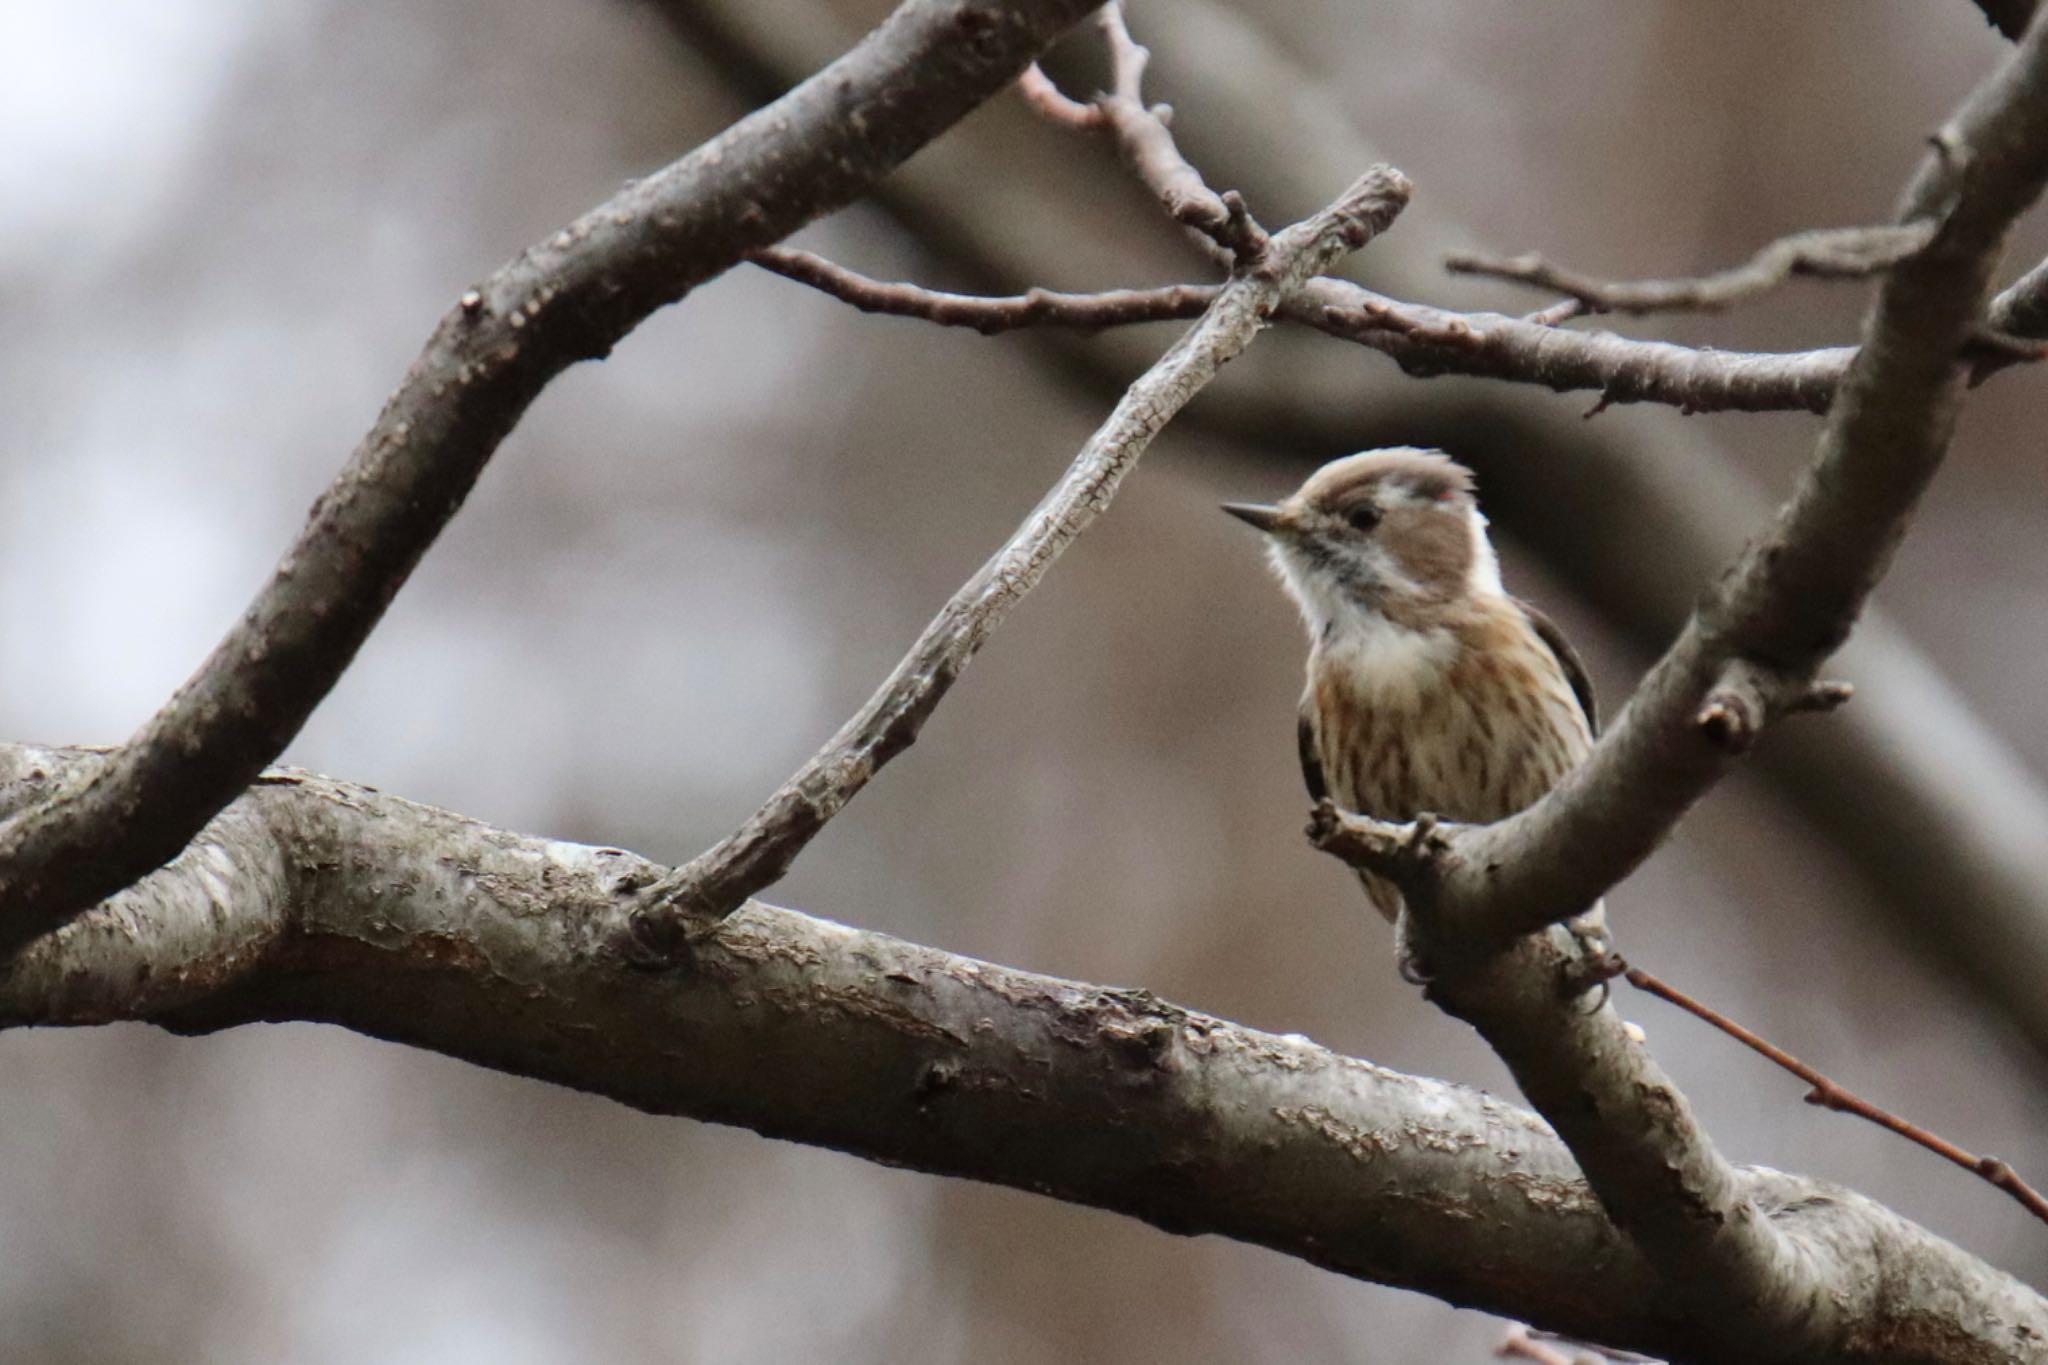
314 899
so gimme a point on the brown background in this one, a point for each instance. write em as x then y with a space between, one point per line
224 229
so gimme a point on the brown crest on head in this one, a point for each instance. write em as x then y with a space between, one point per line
1428 474
1415 505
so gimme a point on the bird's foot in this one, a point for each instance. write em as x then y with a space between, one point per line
1594 965
1408 958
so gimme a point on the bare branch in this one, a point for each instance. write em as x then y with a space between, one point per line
760 851
2020 314
1968 889
1830 1095
1051 104
1790 599
1785 605
568 299
1424 340
314 899
1518 1345
1147 143
1035 308
1427 341
1144 139
1825 253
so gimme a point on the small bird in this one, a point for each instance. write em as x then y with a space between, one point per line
1430 689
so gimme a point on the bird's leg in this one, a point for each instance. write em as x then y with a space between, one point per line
1418 852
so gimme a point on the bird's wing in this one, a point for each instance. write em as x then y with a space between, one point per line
1567 659
1311 757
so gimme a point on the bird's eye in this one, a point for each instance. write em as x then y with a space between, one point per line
1363 517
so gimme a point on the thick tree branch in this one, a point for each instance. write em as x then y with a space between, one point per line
314 899
760 851
1791 599
1752 647
568 299
1755 1288
1944 842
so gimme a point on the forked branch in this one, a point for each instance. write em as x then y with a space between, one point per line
1829 1094
316 899
567 299
757 854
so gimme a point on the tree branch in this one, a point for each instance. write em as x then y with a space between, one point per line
1947 846
1793 596
1825 253
314 899
1035 308
1423 340
1831 1094
1145 140
1754 646
1790 600
1427 342
568 299
760 851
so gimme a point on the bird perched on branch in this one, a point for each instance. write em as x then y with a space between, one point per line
1430 689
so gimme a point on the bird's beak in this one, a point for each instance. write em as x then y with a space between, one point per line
1259 515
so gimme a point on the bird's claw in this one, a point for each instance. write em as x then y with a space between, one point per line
1408 959
1593 966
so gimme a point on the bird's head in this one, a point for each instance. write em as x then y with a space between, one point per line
1391 534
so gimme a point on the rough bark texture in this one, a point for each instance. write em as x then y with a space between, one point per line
1950 846
568 299
314 899
1791 599
1751 651
757 854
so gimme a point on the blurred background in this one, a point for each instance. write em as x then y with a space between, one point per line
226 227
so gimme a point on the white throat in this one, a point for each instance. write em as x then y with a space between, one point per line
1484 576
1328 610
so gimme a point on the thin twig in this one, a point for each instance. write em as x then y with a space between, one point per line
1830 1095
1824 253
1600 1355
987 315
760 851
1053 105
1548 1348
1144 139
568 299
1517 1344
1557 314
